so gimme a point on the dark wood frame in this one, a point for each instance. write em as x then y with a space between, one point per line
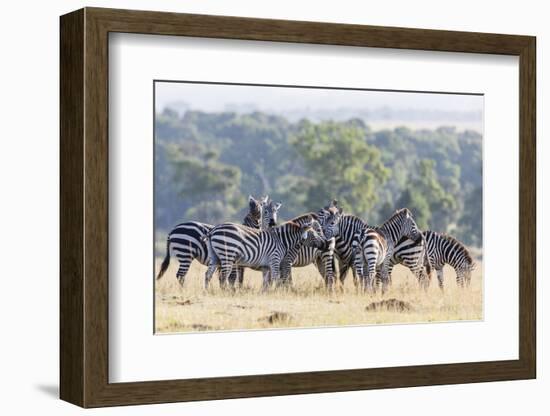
84 207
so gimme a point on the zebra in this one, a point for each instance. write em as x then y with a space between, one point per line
374 247
344 228
443 249
414 256
434 251
270 250
268 211
185 241
322 257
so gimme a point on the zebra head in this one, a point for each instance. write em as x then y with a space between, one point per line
269 210
405 226
330 217
312 234
255 208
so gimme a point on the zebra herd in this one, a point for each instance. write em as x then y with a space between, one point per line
322 238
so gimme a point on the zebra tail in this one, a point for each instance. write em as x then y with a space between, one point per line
212 257
166 261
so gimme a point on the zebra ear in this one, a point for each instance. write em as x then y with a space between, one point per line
252 203
278 206
265 199
340 210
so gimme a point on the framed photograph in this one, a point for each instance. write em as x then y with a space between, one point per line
254 207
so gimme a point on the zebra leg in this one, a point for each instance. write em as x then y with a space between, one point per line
385 275
321 269
371 277
275 269
440 278
344 267
286 273
371 281
266 278
461 278
285 277
358 265
227 267
240 277
333 269
236 277
390 270
324 265
422 276
185 263
468 277
209 273
273 275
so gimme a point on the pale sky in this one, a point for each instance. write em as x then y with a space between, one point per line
214 97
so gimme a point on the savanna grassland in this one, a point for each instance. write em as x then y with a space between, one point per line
307 303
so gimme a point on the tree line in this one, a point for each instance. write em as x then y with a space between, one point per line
206 165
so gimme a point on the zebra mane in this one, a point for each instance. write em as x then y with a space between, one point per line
304 217
401 212
254 212
461 246
292 223
396 214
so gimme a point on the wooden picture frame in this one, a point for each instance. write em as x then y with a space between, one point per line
84 207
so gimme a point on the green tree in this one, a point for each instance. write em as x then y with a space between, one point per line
342 164
424 195
211 186
470 224
416 201
435 172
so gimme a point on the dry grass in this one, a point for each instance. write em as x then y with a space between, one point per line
307 304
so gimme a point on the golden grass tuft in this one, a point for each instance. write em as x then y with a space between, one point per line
307 304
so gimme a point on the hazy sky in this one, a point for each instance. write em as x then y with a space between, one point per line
211 97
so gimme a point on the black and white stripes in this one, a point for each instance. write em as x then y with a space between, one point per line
271 250
374 248
332 237
186 240
344 228
443 249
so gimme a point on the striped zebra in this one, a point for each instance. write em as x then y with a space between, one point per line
185 241
414 256
344 228
374 247
443 249
268 211
322 257
435 250
270 250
